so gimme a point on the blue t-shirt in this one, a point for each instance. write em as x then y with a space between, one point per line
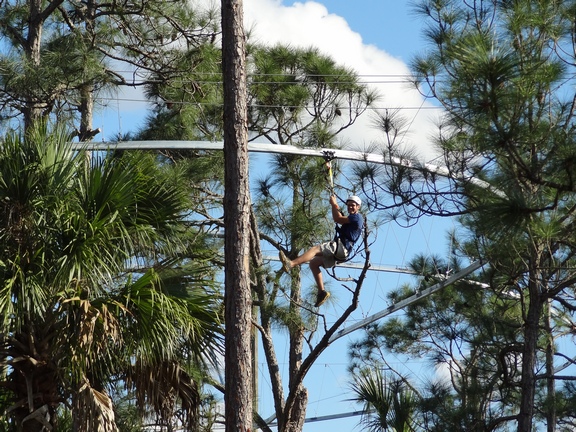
350 232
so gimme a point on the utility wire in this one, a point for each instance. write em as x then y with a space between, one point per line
107 100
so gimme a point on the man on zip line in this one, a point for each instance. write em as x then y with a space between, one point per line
348 230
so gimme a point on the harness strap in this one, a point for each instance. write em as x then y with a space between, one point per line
351 252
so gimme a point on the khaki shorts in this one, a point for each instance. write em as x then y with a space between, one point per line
333 252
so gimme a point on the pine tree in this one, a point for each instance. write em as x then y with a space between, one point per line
58 59
302 98
500 71
238 296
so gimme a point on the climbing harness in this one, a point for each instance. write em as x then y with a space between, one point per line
329 156
355 250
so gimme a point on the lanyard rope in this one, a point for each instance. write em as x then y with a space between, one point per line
328 156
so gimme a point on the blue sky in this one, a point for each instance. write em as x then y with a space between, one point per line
374 37
391 25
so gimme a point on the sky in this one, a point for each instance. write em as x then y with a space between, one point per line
378 39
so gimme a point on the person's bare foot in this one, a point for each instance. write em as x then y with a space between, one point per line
286 263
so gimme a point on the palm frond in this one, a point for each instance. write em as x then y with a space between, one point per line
93 410
388 405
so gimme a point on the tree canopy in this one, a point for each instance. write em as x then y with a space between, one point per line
502 73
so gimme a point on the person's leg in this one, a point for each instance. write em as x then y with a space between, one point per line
315 267
304 258
315 257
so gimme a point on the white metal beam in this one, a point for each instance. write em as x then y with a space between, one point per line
408 301
280 149
360 266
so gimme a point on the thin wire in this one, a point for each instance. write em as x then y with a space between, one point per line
200 73
145 78
359 78
321 386
378 283
103 99
118 113
415 114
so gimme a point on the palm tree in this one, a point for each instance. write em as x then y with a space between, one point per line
389 404
85 244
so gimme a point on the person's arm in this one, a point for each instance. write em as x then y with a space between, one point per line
336 213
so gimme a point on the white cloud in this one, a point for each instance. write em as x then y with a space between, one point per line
310 24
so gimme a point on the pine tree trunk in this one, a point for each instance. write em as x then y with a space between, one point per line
296 413
238 304
550 380
33 108
85 133
531 332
